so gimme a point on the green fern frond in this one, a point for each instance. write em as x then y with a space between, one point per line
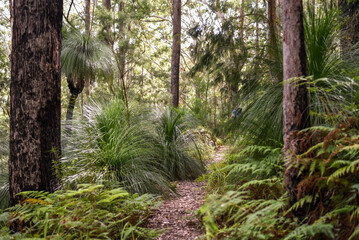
260 183
308 199
307 231
343 171
318 129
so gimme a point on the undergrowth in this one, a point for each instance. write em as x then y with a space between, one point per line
248 201
89 212
143 153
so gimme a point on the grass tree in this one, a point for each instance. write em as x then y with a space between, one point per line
83 57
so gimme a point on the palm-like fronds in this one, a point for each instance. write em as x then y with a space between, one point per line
105 144
178 145
83 56
321 34
330 93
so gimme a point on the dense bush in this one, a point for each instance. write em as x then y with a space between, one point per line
89 212
140 150
249 203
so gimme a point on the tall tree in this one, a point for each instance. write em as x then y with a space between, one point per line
176 51
35 95
272 36
87 15
107 4
295 94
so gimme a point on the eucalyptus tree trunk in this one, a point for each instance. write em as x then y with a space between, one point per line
35 95
107 4
176 52
295 94
272 48
87 15
121 61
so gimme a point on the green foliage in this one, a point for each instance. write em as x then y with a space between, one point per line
83 56
89 212
251 204
321 33
177 144
104 144
142 152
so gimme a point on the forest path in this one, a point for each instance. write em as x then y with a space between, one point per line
178 214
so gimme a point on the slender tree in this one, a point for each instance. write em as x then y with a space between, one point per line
295 94
87 15
272 36
176 51
107 4
35 94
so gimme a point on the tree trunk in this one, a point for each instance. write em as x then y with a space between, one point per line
121 62
272 48
87 15
176 52
76 87
35 94
295 94
107 4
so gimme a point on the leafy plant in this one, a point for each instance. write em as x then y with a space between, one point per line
177 144
89 212
141 153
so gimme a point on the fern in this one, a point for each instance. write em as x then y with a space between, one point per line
308 231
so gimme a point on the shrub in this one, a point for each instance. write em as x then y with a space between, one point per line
89 212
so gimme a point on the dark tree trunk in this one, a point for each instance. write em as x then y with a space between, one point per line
107 4
176 52
35 94
76 86
295 95
350 27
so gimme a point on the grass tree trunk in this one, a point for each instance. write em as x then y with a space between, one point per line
35 94
76 87
295 95
176 52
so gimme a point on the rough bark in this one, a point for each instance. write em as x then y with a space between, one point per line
295 95
35 94
176 52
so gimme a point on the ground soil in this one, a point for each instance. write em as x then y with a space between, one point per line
176 216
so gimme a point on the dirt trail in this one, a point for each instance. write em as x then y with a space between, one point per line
178 214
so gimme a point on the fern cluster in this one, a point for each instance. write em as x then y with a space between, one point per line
89 212
251 203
